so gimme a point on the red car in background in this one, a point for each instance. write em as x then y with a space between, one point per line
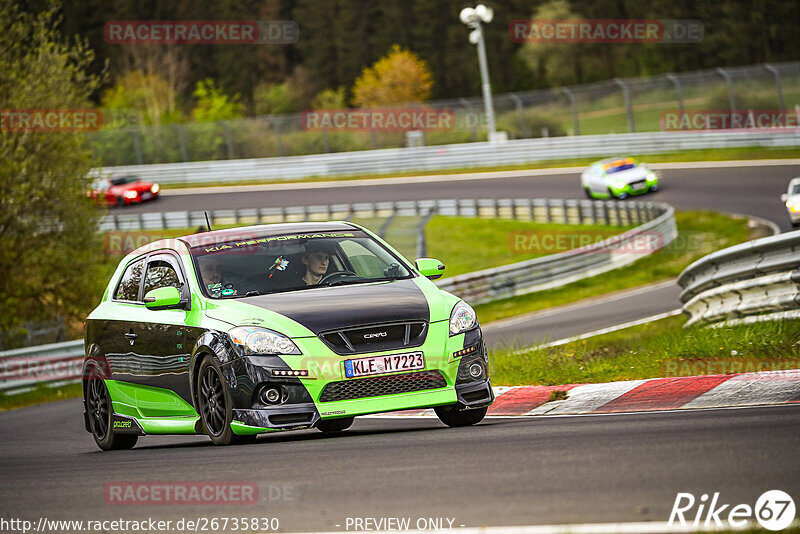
123 190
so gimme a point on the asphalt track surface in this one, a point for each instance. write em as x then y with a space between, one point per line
751 190
583 316
504 471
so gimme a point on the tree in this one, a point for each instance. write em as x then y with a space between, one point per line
398 78
148 94
52 255
569 63
329 99
213 104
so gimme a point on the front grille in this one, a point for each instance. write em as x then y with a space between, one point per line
638 185
376 386
375 338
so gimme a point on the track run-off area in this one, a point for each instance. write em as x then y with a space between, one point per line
549 470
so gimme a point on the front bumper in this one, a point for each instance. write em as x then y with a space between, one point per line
306 402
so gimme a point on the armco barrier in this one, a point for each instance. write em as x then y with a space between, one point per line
755 281
54 363
51 363
466 155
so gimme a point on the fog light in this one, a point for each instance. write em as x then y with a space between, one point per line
475 370
270 395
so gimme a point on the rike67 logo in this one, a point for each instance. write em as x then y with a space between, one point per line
774 510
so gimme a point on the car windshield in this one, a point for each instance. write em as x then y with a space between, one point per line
795 190
122 180
621 165
256 265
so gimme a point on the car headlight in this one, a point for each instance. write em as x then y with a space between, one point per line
256 340
130 194
651 176
155 188
794 207
620 185
462 318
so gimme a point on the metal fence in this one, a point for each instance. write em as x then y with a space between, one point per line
755 281
614 106
472 155
22 369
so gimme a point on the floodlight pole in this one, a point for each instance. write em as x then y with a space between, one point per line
473 17
485 85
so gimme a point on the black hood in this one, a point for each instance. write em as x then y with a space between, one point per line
328 308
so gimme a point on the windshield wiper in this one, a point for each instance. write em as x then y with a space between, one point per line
359 281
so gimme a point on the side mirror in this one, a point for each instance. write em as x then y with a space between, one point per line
784 197
430 268
163 298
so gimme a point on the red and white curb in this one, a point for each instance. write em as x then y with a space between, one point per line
655 394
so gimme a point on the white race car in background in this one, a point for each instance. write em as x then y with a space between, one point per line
618 178
792 200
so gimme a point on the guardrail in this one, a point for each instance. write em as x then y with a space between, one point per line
565 267
54 364
441 157
755 281
544 210
21 369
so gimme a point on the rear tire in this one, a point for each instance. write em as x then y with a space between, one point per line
331 426
454 418
100 409
216 405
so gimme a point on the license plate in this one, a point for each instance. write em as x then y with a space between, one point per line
146 196
380 365
638 186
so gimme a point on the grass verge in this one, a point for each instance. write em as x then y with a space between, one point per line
716 154
40 395
699 233
652 350
466 244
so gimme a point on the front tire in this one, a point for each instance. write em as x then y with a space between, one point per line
452 417
215 404
331 426
100 410
588 192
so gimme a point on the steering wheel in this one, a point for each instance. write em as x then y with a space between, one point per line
336 274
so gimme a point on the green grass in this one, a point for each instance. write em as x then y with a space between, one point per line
700 233
656 349
39 395
717 154
466 244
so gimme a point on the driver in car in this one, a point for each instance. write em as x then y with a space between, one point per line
316 258
215 280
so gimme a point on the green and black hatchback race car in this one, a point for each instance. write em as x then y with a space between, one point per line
237 332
